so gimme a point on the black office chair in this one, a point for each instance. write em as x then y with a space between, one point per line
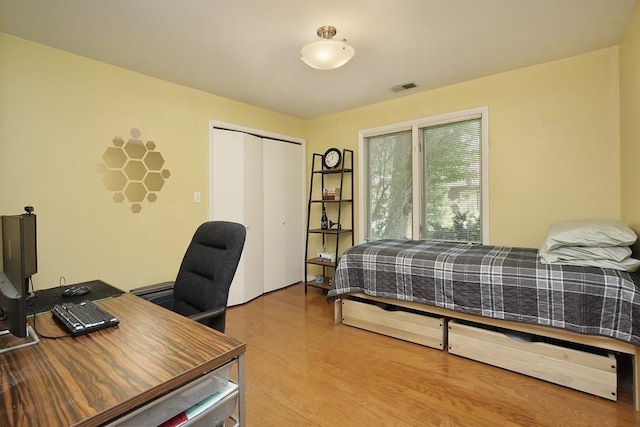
201 289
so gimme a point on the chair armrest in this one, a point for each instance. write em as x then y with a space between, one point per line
208 314
160 294
158 287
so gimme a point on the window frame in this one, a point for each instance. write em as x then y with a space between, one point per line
415 126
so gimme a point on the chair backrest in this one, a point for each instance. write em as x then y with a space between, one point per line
207 270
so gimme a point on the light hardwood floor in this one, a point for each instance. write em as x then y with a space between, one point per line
304 370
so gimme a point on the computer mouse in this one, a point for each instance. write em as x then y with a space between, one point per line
75 291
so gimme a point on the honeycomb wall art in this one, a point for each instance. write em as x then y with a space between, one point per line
133 170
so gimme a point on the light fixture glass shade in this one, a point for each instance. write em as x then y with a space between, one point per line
327 54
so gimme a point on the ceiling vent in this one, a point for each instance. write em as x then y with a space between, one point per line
404 86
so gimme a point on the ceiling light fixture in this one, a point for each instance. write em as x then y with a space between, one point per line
327 54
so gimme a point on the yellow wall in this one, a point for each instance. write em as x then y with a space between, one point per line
554 151
58 114
554 140
630 121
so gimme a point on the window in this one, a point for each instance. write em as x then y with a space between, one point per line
426 179
389 185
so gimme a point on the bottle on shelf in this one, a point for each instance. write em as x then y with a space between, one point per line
324 222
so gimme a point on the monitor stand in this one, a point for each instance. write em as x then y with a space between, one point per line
10 343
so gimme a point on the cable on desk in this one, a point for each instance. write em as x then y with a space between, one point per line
40 334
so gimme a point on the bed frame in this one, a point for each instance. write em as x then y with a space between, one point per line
447 322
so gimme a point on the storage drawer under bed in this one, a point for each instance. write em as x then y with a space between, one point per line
406 325
590 372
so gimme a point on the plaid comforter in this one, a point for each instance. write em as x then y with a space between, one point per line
494 281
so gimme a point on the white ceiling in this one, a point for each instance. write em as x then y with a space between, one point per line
248 50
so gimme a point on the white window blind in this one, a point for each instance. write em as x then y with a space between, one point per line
452 181
389 184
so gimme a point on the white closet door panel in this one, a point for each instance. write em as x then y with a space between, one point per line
294 231
226 183
274 214
283 203
235 156
252 195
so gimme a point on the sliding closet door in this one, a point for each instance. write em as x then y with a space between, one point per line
283 220
236 195
294 214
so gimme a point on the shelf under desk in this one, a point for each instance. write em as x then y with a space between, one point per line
96 378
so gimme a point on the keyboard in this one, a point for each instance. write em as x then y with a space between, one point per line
82 318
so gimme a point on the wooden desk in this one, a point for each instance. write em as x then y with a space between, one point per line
95 378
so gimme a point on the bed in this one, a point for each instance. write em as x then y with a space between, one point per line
500 286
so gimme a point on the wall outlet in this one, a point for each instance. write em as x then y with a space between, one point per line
196 197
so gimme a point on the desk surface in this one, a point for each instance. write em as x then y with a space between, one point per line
95 378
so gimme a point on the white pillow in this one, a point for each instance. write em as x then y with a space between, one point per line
628 264
568 253
589 232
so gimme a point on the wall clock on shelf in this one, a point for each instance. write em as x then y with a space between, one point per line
332 158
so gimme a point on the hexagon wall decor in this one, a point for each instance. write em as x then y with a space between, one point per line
133 170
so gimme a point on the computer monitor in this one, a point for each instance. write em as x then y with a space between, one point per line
19 260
